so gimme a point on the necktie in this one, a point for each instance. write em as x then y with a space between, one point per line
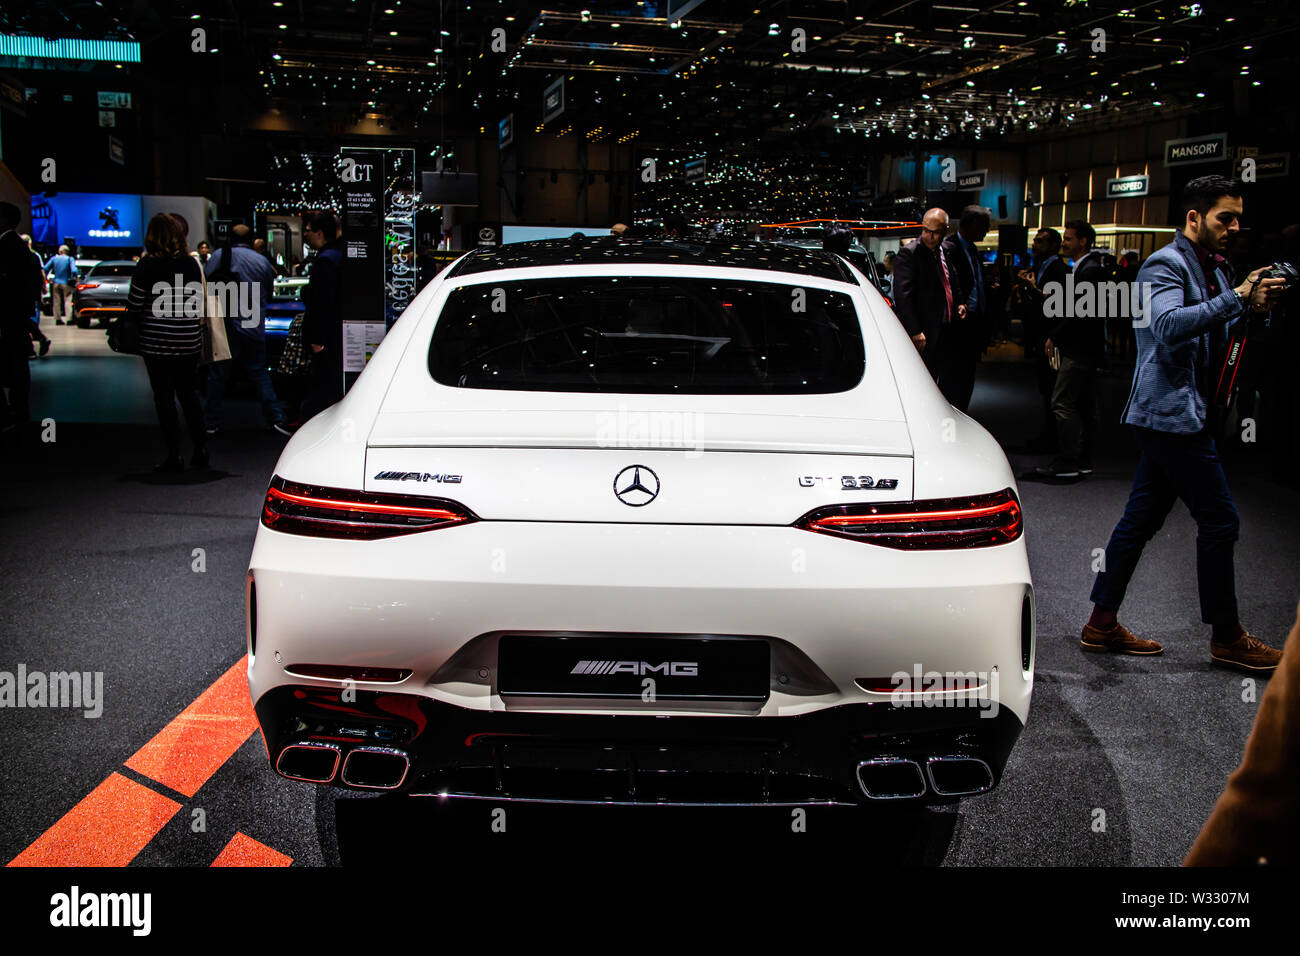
978 279
947 286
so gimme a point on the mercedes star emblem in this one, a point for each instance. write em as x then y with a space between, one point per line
636 485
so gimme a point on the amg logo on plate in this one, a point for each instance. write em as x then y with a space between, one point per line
640 668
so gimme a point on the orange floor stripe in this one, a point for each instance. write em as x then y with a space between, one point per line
111 824
245 851
189 750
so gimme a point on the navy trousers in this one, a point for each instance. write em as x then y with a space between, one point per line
1173 467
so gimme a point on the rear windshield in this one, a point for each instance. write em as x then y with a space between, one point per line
116 269
648 335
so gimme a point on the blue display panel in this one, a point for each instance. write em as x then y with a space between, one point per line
93 219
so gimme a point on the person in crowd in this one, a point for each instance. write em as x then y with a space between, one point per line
38 335
618 229
262 249
204 252
929 299
968 338
21 280
1119 329
170 340
1186 311
1047 270
1079 345
323 321
886 273
63 274
838 239
676 227
1256 820
239 264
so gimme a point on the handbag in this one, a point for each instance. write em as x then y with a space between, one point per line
212 328
294 359
124 334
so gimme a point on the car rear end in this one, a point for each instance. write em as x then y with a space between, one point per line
100 295
638 534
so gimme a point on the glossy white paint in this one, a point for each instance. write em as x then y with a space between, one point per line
714 553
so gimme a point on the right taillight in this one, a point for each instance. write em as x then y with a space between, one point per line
979 521
87 285
339 513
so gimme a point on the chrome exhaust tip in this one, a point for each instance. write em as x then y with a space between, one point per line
376 768
891 778
959 776
309 761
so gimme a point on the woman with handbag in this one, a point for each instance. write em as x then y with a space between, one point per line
166 301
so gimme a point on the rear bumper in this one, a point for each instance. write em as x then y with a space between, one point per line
452 752
842 618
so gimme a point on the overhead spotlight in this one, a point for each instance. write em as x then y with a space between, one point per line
773 29
586 16
1060 47
968 43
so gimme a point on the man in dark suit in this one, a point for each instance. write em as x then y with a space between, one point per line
1188 303
928 299
21 280
970 336
1077 336
1048 270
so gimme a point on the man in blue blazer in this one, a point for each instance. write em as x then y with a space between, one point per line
1187 304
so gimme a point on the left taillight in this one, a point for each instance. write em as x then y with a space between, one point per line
338 513
979 521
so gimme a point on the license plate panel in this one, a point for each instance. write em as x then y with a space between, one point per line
683 669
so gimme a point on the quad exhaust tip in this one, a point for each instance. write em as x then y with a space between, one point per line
900 778
309 761
376 768
891 778
959 776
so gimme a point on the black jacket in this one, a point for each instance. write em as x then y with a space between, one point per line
919 301
1082 338
21 280
322 322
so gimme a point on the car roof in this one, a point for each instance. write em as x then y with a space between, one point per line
612 250
117 262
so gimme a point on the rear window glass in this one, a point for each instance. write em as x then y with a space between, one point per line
118 269
648 335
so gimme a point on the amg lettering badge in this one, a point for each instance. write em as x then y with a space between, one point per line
416 476
639 668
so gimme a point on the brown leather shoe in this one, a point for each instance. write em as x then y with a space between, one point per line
1247 653
1118 640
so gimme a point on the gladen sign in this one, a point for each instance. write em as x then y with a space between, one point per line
1198 149
974 179
1122 187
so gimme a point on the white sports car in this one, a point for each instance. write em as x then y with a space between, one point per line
633 521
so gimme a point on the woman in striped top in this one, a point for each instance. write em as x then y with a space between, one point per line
166 297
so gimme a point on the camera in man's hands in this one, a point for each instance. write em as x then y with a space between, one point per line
1282 270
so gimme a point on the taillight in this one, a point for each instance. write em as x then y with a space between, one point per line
976 522
87 285
337 513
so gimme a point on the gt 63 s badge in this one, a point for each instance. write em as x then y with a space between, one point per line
851 482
